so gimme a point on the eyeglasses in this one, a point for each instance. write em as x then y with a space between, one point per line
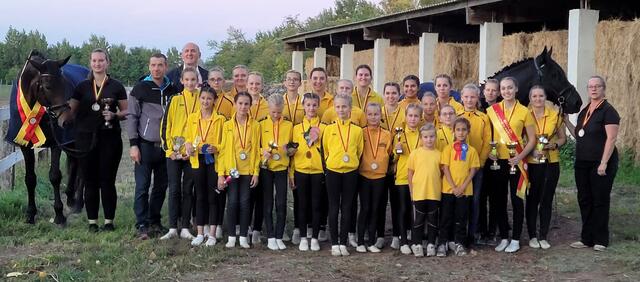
216 79
292 80
595 86
448 114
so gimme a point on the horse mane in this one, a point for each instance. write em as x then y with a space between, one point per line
512 66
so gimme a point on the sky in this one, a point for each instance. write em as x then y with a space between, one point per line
158 23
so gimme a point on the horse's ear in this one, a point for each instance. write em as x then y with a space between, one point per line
544 51
63 61
40 67
550 51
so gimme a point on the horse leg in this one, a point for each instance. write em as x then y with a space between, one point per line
55 176
30 182
71 182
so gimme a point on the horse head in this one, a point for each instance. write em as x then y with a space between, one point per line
555 82
48 83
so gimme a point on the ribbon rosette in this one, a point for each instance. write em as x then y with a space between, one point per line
461 151
208 158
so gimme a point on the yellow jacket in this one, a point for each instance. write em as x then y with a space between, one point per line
333 146
357 116
301 163
224 106
444 137
326 102
382 149
260 110
206 131
479 133
410 142
268 129
391 120
372 96
293 112
233 144
174 121
406 101
459 108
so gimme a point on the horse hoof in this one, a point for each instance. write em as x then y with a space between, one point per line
31 219
60 221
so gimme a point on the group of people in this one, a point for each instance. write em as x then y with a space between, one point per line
445 167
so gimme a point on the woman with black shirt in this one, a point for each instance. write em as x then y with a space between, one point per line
99 104
596 164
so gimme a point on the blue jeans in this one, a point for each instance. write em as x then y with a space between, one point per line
152 161
475 203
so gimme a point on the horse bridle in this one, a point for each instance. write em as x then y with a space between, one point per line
54 111
560 95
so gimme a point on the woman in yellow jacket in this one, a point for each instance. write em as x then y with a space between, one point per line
342 144
443 84
308 175
362 93
274 145
204 134
223 105
238 168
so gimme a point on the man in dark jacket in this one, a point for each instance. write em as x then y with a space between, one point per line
190 57
147 103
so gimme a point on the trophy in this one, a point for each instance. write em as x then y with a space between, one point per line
194 144
494 152
399 131
543 140
107 103
276 156
512 153
233 174
178 142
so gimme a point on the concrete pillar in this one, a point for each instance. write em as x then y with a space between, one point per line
581 63
320 58
427 56
346 61
490 47
380 47
297 61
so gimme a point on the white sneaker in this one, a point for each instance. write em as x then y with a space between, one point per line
578 245
185 234
503 245
417 250
513 247
431 250
295 238
379 243
198 240
173 232
599 248
244 242
211 241
255 237
271 244
219 232
315 245
335 251
231 242
533 243
304 245
206 229
322 236
352 240
309 232
544 244
373 249
361 249
405 250
343 250
395 243
281 244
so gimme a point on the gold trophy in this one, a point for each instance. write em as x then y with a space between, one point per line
107 103
543 140
399 131
196 142
276 156
494 152
512 153
178 142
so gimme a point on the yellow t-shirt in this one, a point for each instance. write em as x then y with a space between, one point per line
548 124
390 120
268 131
426 183
337 136
207 131
301 162
379 141
459 108
479 133
357 116
237 139
519 117
444 137
459 169
174 123
371 97
407 101
294 111
410 142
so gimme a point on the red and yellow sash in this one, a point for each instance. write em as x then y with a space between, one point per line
30 130
503 127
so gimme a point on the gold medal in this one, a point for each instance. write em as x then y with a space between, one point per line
308 154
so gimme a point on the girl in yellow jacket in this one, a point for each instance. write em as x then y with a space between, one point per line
444 134
308 173
238 168
204 135
342 144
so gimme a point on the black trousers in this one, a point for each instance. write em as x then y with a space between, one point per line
221 203
181 194
455 213
594 199
238 194
382 210
99 168
256 208
404 210
341 189
425 218
371 192
206 181
487 223
507 184
278 180
309 192
152 162
544 179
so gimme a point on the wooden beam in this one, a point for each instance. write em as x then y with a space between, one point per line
337 39
310 43
524 12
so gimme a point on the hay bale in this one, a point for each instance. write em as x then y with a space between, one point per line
518 46
363 57
401 61
333 65
459 60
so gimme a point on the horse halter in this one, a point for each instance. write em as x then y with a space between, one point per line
559 95
54 111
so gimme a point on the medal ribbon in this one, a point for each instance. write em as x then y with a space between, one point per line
374 153
292 116
544 124
366 99
345 146
587 117
391 125
406 138
254 116
97 92
242 140
186 107
461 149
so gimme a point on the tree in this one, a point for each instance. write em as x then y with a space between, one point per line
173 57
395 6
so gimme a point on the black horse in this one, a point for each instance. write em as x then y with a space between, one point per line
43 81
543 70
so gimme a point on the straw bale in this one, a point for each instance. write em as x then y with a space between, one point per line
459 60
333 65
401 61
518 46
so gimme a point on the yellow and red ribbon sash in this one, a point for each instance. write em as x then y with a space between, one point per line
30 131
503 127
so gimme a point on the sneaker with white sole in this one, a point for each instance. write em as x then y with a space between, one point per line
379 243
281 244
352 240
211 241
544 244
198 240
255 237
373 249
173 233
395 243
361 249
431 250
417 250
513 247
460 251
335 251
405 250
219 232
322 236
231 242
578 245
295 238
304 245
315 245
244 242
343 250
271 244
503 245
442 250
185 234
533 243
599 248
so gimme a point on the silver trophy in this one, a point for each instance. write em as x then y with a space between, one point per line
107 104
178 143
